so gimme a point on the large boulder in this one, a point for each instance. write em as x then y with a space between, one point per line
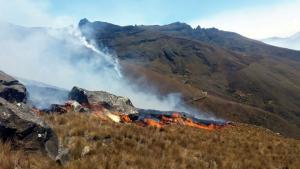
22 127
110 101
10 89
25 130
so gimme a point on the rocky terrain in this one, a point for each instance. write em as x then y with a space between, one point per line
11 90
20 126
96 129
236 78
252 86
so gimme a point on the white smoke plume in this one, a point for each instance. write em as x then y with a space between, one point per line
63 58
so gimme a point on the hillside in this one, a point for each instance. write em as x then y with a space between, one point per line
97 129
246 80
105 144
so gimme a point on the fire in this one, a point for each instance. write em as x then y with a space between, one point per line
151 122
162 120
153 118
176 115
125 118
189 122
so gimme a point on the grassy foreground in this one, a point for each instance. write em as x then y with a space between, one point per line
95 144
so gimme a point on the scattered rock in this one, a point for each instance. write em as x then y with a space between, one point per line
63 156
70 105
25 130
11 89
76 107
85 151
57 108
96 98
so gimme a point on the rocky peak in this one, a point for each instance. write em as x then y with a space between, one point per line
176 26
83 22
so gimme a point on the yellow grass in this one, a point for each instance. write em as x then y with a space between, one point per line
129 146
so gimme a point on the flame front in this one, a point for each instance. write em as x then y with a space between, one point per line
163 120
155 119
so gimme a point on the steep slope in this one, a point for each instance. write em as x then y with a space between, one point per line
246 80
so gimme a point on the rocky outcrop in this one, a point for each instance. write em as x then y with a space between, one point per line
25 130
10 89
22 127
96 98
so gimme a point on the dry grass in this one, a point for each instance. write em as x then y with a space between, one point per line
222 105
17 159
129 146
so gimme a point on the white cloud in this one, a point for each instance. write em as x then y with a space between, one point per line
31 13
258 22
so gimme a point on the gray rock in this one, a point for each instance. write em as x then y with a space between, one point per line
110 101
11 89
63 156
25 130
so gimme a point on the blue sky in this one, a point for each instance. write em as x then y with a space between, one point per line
252 18
150 11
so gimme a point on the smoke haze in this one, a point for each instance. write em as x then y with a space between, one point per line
63 58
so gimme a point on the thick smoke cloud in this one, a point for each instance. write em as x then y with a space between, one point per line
63 58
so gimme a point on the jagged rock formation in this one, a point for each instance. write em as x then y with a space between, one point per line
110 101
22 127
10 89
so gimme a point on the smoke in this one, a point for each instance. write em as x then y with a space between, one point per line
63 58
43 95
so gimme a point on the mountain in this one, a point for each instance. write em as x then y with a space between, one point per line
246 80
291 42
96 129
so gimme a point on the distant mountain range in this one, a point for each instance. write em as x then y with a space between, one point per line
246 80
291 42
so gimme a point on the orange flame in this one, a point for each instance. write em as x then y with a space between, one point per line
151 122
189 122
125 118
176 115
163 120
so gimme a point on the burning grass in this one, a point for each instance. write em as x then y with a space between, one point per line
154 118
162 119
114 145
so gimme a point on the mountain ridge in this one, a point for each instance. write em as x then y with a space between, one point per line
176 57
